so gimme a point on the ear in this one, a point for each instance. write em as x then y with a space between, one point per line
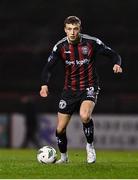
65 30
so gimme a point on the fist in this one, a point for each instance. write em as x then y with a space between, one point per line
117 69
44 91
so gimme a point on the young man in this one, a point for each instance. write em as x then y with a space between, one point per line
78 53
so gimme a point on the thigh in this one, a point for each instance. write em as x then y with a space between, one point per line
67 103
62 121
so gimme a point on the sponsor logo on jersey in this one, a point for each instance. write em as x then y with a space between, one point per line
77 62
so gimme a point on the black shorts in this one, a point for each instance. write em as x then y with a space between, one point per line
71 100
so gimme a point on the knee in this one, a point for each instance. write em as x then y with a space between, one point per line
85 117
60 130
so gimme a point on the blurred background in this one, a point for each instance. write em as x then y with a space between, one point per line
28 31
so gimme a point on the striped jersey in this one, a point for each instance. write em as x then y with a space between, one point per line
79 61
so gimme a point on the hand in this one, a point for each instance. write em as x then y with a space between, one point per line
117 69
44 91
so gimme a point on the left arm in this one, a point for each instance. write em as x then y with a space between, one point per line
107 51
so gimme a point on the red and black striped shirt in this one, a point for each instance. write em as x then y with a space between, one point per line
79 61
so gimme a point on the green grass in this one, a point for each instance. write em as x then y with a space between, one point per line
19 163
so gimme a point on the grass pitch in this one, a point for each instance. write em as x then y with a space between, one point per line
22 164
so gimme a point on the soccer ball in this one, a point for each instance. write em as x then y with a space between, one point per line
46 155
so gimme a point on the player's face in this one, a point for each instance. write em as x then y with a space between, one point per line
72 31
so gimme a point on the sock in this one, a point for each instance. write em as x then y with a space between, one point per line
90 145
62 141
64 156
88 129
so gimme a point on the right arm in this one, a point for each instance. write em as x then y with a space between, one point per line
46 73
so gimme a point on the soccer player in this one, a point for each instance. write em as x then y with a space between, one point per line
78 53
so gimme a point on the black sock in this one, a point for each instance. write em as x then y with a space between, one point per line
88 129
62 141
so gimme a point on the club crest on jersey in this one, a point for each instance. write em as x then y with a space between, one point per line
62 104
85 50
